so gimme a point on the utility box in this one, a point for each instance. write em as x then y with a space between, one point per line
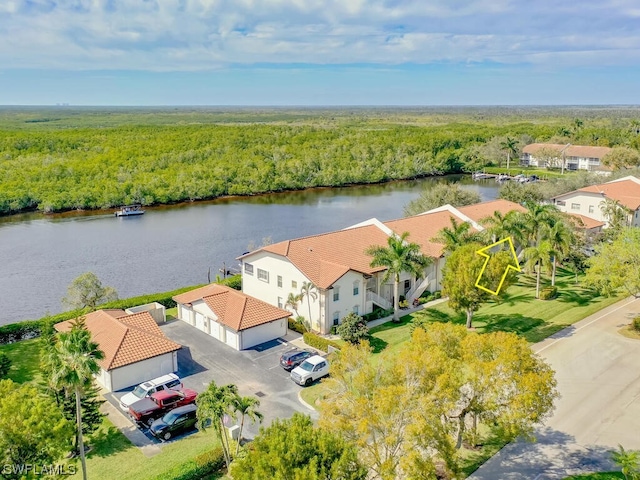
234 432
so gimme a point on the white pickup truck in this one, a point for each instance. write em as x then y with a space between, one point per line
310 370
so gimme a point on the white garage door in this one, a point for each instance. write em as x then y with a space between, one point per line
200 322
215 329
263 333
232 338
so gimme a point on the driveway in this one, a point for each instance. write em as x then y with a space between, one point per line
256 371
599 382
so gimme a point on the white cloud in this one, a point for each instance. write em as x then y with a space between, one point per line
201 34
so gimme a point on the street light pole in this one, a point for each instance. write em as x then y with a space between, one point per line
563 157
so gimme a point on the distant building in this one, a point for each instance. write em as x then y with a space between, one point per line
576 157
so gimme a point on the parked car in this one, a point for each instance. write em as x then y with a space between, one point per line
176 421
145 411
170 381
291 359
310 370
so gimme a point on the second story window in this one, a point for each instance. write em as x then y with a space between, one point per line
280 281
336 294
263 275
248 269
356 288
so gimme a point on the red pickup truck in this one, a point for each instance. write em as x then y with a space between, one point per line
145 411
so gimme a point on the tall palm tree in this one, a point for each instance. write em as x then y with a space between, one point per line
74 369
458 234
499 225
398 256
535 257
536 219
308 290
628 461
293 300
561 237
246 407
213 404
614 213
510 146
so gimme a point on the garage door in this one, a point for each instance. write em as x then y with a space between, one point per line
263 333
215 329
200 321
232 338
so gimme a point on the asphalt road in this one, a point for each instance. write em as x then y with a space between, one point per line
598 377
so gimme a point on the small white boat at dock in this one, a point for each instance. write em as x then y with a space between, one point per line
129 210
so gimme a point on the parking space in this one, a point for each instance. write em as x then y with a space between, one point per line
256 372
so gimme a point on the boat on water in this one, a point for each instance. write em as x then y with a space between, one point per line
129 210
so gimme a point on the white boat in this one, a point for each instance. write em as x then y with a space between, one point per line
129 210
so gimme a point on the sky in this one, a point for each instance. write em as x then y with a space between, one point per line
319 52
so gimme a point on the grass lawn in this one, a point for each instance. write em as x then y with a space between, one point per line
25 357
113 457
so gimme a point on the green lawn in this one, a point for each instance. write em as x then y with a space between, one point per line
113 457
24 357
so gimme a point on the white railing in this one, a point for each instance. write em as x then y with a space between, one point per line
417 289
383 302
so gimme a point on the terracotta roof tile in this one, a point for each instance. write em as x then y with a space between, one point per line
236 309
483 210
626 192
585 222
325 258
124 339
581 151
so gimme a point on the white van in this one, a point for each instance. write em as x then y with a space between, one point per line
165 382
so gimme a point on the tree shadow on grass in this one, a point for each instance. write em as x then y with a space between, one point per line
516 323
579 297
377 344
511 299
107 441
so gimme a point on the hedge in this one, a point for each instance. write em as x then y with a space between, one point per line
321 343
548 293
14 332
296 326
197 468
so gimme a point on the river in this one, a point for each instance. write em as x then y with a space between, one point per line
173 247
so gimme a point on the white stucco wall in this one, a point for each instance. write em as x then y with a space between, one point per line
588 204
269 292
139 372
263 333
346 301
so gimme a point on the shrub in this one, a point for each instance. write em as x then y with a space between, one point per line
548 293
635 324
235 282
353 328
376 314
437 295
296 325
213 459
321 343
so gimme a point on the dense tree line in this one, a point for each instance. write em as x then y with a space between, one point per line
54 168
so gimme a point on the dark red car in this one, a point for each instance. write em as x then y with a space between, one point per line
145 411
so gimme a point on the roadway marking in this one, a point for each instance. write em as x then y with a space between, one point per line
587 324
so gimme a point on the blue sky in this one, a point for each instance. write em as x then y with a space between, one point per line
319 52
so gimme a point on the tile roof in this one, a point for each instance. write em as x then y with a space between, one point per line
234 308
585 222
626 192
124 338
483 210
423 229
571 151
325 258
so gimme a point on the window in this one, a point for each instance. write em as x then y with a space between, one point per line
336 294
575 206
279 302
294 284
336 318
248 269
356 288
356 309
590 208
280 281
263 275
561 203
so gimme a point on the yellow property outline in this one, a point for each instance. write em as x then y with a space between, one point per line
482 252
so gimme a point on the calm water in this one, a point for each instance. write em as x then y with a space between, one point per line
169 248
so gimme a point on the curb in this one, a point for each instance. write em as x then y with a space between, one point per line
305 403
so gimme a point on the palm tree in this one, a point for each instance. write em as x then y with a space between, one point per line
308 290
614 213
398 256
536 219
499 225
561 237
213 404
459 234
246 407
628 461
510 146
74 369
292 301
535 258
